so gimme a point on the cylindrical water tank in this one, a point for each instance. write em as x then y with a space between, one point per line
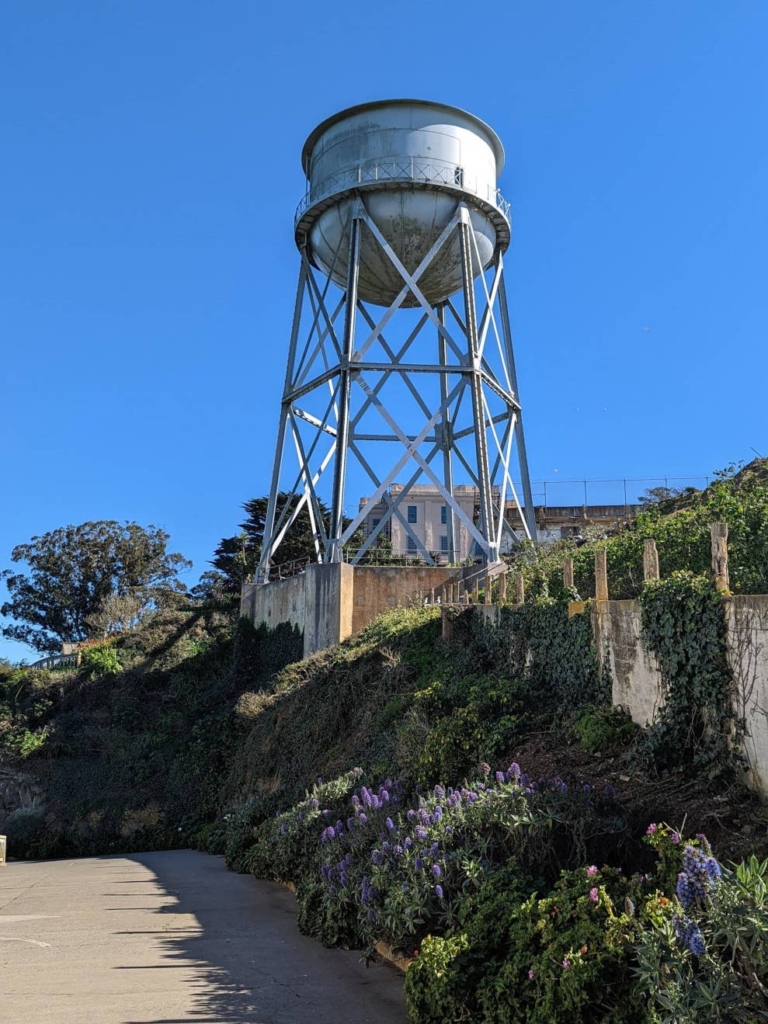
413 161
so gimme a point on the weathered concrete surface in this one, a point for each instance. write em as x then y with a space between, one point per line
331 602
637 681
281 601
747 622
379 589
171 938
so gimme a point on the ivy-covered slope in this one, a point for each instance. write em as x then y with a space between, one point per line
423 793
680 525
129 751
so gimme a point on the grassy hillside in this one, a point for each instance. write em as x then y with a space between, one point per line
476 805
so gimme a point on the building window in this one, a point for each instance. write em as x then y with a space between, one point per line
375 523
444 542
411 546
444 514
412 514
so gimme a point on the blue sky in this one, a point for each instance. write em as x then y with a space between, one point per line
147 269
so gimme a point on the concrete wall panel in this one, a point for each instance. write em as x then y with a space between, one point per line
637 682
747 619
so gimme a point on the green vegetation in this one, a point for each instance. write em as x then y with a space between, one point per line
87 581
473 803
680 525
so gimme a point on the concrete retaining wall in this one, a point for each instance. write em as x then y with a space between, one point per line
378 589
747 619
331 602
637 682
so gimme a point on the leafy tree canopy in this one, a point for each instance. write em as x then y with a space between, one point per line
76 572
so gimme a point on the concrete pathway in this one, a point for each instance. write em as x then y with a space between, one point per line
171 938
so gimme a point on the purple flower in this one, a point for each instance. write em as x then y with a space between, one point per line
439 891
689 935
363 817
651 829
436 870
390 824
500 777
420 832
418 864
566 964
591 870
531 974
594 895
439 792
675 838
384 796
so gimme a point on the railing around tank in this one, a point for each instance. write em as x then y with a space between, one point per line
413 170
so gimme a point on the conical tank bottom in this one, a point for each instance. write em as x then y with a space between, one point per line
411 220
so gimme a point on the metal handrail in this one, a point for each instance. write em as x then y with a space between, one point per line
57 661
413 170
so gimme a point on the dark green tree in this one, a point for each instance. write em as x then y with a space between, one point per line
236 558
74 571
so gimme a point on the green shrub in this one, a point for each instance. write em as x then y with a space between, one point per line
519 959
442 980
32 742
100 660
604 729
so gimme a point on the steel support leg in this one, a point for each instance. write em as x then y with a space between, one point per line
522 457
262 573
476 383
335 550
447 438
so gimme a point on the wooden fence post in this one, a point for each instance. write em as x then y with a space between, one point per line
475 588
503 588
650 560
601 575
719 535
568 573
488 590
520 588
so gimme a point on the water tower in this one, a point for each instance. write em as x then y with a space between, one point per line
401 355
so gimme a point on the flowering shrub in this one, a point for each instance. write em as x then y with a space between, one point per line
409 869
528 959
705 953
